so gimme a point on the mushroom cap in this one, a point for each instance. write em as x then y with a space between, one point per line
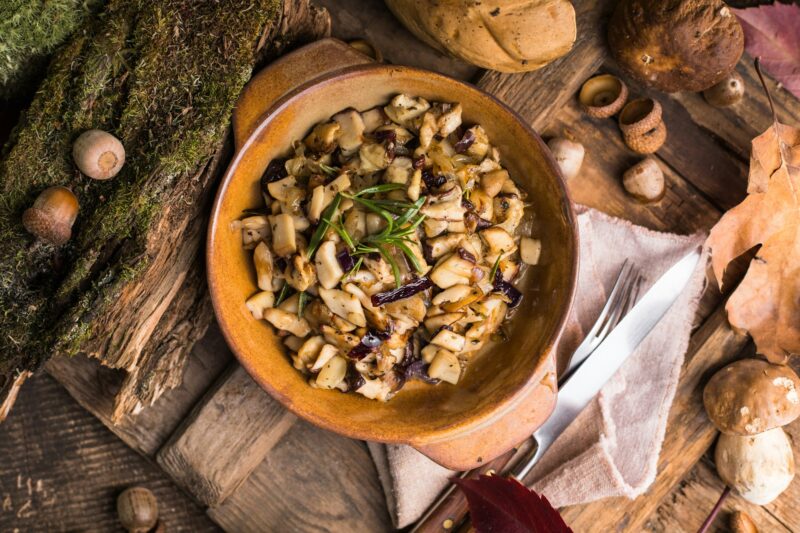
676 45
760 467
752 396
504 35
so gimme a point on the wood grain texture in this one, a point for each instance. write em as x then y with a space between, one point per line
225 437
312 481
61 470
95 387
371 20
538 96
688 436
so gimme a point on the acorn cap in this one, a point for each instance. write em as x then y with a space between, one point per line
52 215
648 142
639 116
751 396
603 96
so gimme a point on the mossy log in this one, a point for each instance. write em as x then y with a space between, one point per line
128 288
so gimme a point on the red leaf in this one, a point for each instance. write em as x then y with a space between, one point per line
504 505
771 33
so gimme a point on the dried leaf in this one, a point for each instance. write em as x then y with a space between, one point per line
499 504
771 33
766 304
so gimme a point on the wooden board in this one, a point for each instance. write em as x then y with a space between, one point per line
290 475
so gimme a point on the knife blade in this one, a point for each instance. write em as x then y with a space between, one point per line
584 383
579 387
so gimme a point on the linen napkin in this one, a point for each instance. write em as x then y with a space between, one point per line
612 447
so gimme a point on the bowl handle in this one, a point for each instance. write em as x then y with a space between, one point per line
285 74
477 447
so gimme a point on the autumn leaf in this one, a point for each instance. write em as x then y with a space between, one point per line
771 33
766 304
504 505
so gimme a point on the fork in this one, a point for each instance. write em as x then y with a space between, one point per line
622 298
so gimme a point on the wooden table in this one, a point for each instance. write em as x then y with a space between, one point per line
255 467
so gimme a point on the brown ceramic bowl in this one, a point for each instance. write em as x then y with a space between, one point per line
421 415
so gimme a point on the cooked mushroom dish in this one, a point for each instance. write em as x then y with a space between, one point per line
387 247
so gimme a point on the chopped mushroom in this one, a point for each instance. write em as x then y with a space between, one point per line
391 228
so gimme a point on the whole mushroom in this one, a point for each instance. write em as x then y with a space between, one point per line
676 45
760 467
504 35
568 155
751 396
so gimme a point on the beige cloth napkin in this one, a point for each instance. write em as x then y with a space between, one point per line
612 448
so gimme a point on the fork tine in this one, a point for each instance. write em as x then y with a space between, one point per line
622 304
612 298
634 297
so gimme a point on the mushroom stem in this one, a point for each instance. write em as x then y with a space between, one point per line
715 511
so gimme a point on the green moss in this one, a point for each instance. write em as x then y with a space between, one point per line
161 75
30 31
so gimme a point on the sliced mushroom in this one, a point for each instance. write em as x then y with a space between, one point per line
308 352
399 171
262 259
373 157
443 244
301 275
283 235
375 389
260 301
329 272
351 129
326 353
287 322
508 211
492 182
434 323
373 119
332 373
344 341
445 366
404 108
499 242
449 340
412 307
452 270
480 145
323 137
345 305
530 250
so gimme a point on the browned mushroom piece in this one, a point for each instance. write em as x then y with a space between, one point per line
676 45
752 396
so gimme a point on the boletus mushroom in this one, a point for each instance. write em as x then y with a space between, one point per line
752 396
760 467
676 45
504 35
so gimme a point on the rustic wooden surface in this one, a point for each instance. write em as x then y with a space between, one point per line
61 470
312 480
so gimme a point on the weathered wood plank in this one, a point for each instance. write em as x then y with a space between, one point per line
313 480
689 433
688 504
61 470
371 20
94 387
225 437
537 96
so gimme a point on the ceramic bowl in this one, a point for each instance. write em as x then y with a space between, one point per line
424 416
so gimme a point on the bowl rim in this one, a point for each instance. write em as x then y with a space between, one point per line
476 419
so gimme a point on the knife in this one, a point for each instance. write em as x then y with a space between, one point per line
579 387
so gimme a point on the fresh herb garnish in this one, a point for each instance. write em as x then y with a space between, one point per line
329 170
493 272
322 227
354 269
283 294
301 302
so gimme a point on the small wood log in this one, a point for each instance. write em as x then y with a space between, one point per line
128 289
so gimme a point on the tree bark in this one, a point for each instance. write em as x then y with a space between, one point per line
129 287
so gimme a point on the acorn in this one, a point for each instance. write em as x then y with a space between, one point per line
137 509
727 92
52 215
645 181
568 155
98 154
603 96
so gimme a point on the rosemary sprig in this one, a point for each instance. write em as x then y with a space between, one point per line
322 227
493 272
329 170
383 187
283 294
301 302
